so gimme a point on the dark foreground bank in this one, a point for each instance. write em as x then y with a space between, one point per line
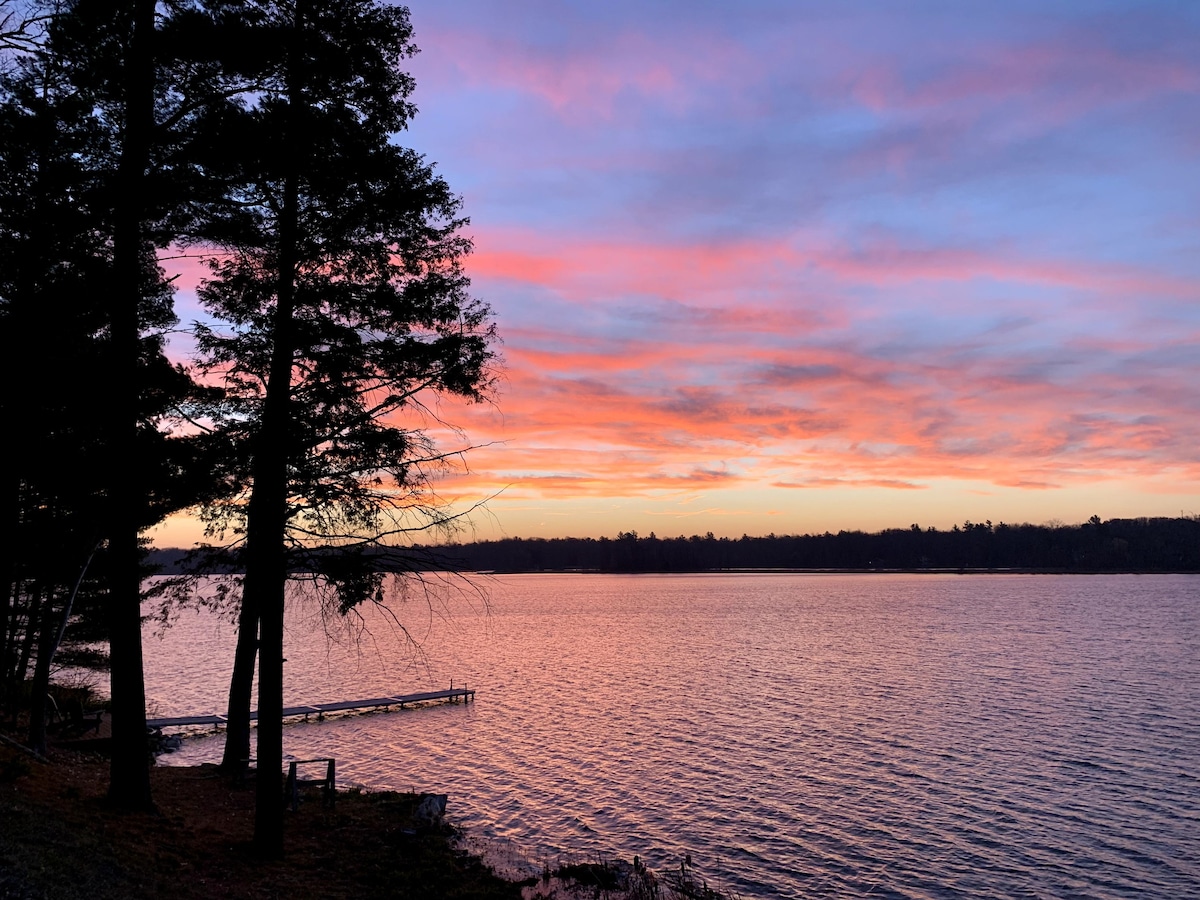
59 840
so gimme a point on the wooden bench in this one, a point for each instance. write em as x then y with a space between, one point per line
328 784
71 719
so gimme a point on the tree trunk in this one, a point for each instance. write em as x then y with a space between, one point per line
41 680
53 630
266 567
8 640
130 773
33 613
16 646
241 686
266 574
9 513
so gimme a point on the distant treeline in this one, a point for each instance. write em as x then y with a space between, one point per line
1116 545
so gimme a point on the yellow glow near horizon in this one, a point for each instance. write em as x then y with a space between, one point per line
765 510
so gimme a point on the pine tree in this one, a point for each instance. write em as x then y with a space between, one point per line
344 303
96 177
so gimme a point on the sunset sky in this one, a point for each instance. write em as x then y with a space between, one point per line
796 266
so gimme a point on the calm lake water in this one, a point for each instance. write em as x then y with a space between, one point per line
798 735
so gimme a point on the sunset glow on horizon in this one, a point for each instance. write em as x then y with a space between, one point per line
794 267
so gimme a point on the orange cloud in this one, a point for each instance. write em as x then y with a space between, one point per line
699 274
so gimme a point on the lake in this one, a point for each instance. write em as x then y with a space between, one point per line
904 736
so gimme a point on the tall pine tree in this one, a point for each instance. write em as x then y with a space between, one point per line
343 302
98 175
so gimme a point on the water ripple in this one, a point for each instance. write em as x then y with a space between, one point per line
883 736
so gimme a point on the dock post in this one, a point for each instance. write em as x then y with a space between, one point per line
291 792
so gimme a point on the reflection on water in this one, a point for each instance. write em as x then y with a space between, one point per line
898 736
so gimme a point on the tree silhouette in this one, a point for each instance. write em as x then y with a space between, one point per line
265 130
1115 545
20 27
64 257
95 119
343 304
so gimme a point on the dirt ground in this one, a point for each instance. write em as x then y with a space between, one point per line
59 839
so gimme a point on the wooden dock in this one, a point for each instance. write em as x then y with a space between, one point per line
320 710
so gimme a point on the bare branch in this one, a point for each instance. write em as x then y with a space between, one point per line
21 30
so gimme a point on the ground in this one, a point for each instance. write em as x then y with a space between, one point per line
59 839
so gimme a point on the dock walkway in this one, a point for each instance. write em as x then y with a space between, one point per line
320 710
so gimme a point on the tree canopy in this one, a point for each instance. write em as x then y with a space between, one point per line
262 136
341 302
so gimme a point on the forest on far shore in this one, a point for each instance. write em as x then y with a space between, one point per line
1115 545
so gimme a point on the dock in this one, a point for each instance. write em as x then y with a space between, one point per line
320 710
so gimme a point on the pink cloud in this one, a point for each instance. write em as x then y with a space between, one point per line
585 82
849 417
886 483
1063 77
582 268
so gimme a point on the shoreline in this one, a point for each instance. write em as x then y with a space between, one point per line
60 839
835 571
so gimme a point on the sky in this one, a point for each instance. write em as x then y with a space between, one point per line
789 267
